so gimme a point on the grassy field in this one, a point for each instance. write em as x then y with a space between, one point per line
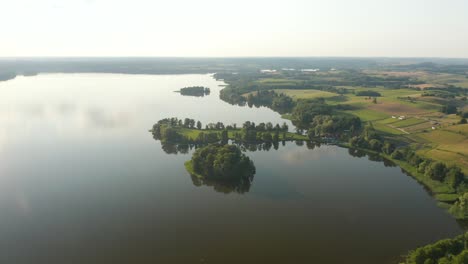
430 132
306 94
386 129
444 79
426 126
448 144
431 79
460 129
408 122
368 115
392 102
193 133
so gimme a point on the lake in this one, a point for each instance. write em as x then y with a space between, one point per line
83 181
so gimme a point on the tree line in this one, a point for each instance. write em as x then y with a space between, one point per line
452 176
446 251
195 91
269 98
169 130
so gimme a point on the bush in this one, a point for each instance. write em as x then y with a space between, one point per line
397 154
388 148
449 109
443 251
454 176
436 171
460 208
375 144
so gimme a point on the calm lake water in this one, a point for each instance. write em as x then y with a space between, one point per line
83 181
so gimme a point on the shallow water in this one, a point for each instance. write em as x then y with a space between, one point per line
83 181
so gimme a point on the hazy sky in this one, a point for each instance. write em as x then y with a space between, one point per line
408 28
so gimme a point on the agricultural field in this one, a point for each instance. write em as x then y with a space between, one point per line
445 79
420 113
387 129
408 122
448 144
430 79
306 94
368 114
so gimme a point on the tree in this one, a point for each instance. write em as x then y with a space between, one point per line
261 127
267 137
462 258
370 133
199 125
388 148
222 162
454 176
276 136
375 144
219 126
224 137
397 154
186 122
460 208
192 123
169 134
269 126
284 127
449 109
436 171
422 166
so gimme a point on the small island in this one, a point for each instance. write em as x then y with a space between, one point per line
6 76
223 166
190 131
199 91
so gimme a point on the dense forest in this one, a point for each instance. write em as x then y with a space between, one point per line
447 251
195 91
223 166
278 102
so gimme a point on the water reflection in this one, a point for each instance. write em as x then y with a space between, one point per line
371 156
240 185
66 109
98 118
69 188
34 110
184 148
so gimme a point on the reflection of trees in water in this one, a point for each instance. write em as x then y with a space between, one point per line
241 185
371 156
224 167
174 148
171 148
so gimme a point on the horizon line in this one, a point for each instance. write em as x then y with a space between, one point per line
229 57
